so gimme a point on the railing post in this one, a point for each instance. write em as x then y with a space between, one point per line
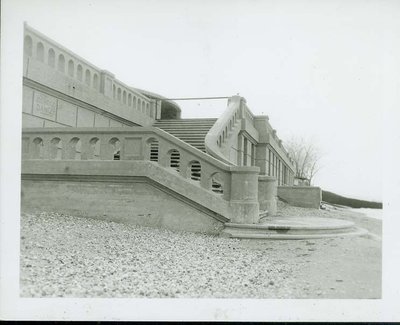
244 195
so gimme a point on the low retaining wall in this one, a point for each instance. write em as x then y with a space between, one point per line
301 196
135 192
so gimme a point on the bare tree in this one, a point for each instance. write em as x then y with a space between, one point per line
305 156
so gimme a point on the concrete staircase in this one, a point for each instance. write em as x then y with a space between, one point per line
192 131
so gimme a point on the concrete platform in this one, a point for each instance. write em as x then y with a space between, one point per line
293 228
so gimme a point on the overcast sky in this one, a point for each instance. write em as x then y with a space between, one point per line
316 68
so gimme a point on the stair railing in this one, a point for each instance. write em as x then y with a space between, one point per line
219 132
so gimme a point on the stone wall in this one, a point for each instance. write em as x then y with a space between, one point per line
134 202
180 169
43 108
301 196
61 79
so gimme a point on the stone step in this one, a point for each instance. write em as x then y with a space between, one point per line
184 124
189 131
187 120
192 131
354 232
292 228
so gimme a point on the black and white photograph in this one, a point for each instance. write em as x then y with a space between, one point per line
200 160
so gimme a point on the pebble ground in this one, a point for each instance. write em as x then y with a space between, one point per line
67 256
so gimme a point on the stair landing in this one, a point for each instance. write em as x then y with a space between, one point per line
293 228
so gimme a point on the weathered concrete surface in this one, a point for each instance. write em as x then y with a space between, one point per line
138 192
301 196
138 203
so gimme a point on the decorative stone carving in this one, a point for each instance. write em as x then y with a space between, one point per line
44 106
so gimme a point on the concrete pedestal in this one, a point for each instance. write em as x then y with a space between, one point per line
267 193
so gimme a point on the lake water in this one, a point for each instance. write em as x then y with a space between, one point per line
372 213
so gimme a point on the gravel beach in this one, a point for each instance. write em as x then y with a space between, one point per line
67 256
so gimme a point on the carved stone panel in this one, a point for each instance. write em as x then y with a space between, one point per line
44 106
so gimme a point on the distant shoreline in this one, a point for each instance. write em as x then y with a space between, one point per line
341 201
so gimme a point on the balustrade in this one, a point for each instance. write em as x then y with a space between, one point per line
40 49
148 144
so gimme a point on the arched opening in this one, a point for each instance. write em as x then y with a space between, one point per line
134 102
28 46
40 52
51 58
95 81
124 97
129 100
217 183
94 149
87 77
174 159
153 149
79 72
61 63
143 107
195 170
55 149
71 68
119 93
74 149
114 91
38 148
138 104
116 148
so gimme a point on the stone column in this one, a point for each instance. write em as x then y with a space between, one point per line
245 151
253 154
158 103
240 150
153 108
244 195
261 158
267 193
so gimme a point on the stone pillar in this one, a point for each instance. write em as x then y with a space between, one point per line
240 150
253 154
106 83
261 158
244 195
245 151
153 108
158 103
267 193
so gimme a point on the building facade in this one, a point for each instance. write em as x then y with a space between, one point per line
75 114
